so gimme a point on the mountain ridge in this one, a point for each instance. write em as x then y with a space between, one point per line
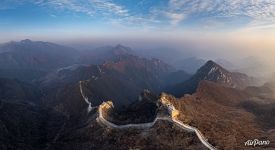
211 71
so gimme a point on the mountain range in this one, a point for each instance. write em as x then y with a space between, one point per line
59 108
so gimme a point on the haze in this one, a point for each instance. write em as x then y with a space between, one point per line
214 29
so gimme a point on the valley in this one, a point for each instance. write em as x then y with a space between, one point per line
120 100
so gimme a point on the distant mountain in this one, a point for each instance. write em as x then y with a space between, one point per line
103 54
254 66
28 59
211 71
166 54
28 54
190 65
68 75
121 81
225 63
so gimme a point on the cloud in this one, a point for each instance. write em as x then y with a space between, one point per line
175 18
6 4
108 10
52 15
169 13
220 10
90 7
109 6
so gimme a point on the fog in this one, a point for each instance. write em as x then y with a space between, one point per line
249 52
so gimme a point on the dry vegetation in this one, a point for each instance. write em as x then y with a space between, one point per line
217 113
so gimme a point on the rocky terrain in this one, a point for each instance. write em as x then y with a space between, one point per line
228 117
61 107
211 71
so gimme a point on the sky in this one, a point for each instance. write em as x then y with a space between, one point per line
228 28
86 18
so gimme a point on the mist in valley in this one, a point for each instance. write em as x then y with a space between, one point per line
253 56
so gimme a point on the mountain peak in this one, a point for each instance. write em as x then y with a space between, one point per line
213 72
121 50
211 63
211 67
119 46
26 41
